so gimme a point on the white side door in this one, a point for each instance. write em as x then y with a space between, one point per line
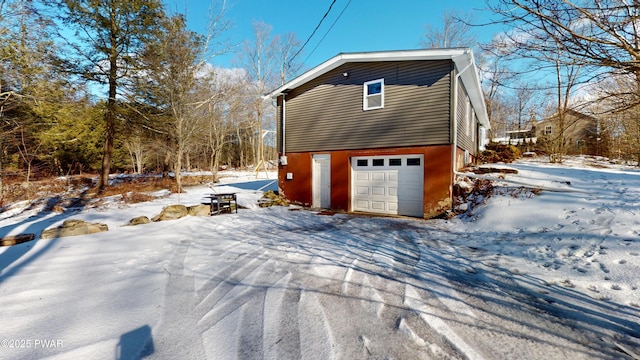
321 185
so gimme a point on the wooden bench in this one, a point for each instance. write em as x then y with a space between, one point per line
222 203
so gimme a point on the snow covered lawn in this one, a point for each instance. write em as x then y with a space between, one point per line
549 276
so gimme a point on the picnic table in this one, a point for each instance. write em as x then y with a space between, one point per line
221 202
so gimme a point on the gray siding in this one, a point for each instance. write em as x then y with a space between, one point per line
326 113
467 122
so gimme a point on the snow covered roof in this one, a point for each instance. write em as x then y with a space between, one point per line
462 57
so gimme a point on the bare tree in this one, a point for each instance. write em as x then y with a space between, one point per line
456 31
134 143
170 84
287 45
220 127
523 109
260 60
604 35
621 122
176 83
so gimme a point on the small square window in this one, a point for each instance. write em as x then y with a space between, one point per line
378 162
395 162
373 97
363 162
548 130
413 162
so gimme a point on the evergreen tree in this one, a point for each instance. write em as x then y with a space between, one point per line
108 39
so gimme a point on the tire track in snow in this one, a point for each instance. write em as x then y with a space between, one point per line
241 297
373 292
435 320
175 337
281 338
259 303
226 280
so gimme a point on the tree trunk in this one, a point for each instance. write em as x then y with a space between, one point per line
240 147
176 170
1 182
165 164
110 115
109 138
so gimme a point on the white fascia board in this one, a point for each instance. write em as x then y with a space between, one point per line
470 79
343 58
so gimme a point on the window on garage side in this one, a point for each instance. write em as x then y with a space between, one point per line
378 162
395 162
362 162
413 162
373 97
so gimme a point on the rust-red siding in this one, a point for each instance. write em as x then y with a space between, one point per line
438 176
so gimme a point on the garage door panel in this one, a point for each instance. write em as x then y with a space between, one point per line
378 205
410 193
410 208
411 177
362 176
393 188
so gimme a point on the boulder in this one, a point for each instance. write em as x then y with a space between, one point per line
73 228
199 210
139 220
171 212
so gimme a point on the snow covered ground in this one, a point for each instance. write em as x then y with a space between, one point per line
521 276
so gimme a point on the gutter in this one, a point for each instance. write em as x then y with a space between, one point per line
284 122
283 118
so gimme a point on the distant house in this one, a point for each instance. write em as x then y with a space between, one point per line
376 132
519 137
581 133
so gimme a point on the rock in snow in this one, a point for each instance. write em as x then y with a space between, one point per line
73 228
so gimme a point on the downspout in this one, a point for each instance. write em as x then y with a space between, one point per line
284 101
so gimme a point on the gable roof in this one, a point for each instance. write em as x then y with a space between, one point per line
462 58
577 114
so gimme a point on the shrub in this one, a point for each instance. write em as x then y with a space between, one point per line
134 197
496 152
270 198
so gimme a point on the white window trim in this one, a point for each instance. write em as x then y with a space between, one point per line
365 96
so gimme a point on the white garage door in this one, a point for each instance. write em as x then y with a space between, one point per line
388 184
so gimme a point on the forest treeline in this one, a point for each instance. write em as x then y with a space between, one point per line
123 86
